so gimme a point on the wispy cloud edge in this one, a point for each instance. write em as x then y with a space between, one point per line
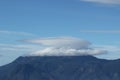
101 31
16 33
115 2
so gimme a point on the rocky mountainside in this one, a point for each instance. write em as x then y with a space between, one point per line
61 68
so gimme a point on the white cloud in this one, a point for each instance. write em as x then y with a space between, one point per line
64 46
104 1
101 31
67 52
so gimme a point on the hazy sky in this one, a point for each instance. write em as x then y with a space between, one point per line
97 21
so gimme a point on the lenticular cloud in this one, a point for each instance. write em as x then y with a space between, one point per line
64 46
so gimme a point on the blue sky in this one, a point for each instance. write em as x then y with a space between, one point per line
95 20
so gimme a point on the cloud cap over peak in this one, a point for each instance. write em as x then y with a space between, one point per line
64 46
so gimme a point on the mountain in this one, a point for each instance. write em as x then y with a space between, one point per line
61 68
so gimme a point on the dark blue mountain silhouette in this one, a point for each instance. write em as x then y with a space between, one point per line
61 68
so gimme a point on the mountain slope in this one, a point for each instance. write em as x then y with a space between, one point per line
61 68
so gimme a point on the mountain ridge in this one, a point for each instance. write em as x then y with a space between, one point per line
61 68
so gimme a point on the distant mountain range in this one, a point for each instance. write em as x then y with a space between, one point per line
61 68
